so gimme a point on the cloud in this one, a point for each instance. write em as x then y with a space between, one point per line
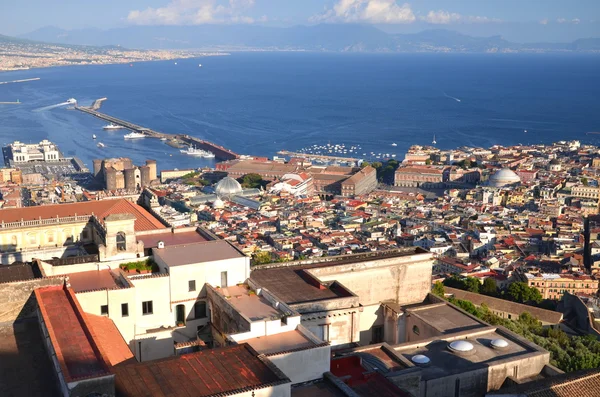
442 17
194 12
372 11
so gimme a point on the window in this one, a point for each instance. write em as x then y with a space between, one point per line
192 285
124 310
377 334
121 242
147 307
200 310
223 279
104 310
416 330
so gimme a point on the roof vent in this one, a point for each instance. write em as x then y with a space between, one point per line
499 344
420 360
161 245
461 346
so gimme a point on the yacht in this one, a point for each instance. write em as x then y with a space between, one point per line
193 151
112 126
94 136
100 144
134 135
434 141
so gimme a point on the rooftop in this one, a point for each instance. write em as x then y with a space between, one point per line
279 343
444 362
76 351
111 340
101 209
225 371
189 254
445 318
92 280
170 238
19 272
252 306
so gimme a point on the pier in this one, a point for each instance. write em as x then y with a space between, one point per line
19 81
317 156
220 152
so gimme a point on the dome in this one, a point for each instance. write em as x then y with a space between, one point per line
228 187
499 344
218 203
460 346
503 178
420 359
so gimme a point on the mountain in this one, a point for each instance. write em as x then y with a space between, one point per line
323 37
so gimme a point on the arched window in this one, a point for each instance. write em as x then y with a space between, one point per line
121 242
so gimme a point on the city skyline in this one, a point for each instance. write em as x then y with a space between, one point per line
555 20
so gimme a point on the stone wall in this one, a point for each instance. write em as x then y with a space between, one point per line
17 300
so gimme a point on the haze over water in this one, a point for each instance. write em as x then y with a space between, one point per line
259 103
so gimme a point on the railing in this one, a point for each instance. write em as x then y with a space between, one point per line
43 222
73 260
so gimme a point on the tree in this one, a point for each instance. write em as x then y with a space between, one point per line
470 284
520 292
252 181
261 258
489 287
585 181
438 289
364 164
428 162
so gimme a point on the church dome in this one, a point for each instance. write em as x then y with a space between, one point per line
218 204
504 177
228 187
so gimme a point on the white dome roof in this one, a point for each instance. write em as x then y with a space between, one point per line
218 203
499 343
461 346
504 177
228 187
420 359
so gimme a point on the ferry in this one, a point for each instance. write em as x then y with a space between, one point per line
100 144
192 151
112 126
134 135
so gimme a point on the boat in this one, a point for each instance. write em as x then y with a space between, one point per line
134 135
94 136
434 141
193 151
163 138
112 126
394 144
71 101
199 65
100 144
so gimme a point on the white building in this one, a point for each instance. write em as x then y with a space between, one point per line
43 151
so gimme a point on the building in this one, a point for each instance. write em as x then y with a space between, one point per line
300 184
169 175
121 173
362 182
421 176
554 285
23 153
504 178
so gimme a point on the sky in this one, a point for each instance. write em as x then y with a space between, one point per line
515 20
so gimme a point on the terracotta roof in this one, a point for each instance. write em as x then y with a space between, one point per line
78 354
584 383
101 209
111 340
547 316
222 371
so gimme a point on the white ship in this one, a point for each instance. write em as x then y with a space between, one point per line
112 126
134 135
71 101
192 151
100 144
394 144
94 136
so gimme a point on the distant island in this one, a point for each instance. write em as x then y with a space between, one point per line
320 38
23 54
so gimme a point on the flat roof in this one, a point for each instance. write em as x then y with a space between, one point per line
446 318
279 343
76 351
224 371
322 388
254 307
92 280
25 367
19 272
170 238
445 362
189 254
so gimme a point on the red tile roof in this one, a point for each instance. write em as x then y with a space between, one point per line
78 354
222 371
109 337
101 209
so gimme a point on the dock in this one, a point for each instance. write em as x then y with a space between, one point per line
220 152
317 156
20 81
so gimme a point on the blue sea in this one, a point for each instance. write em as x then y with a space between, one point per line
259 103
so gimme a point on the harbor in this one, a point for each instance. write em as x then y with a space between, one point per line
181 140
